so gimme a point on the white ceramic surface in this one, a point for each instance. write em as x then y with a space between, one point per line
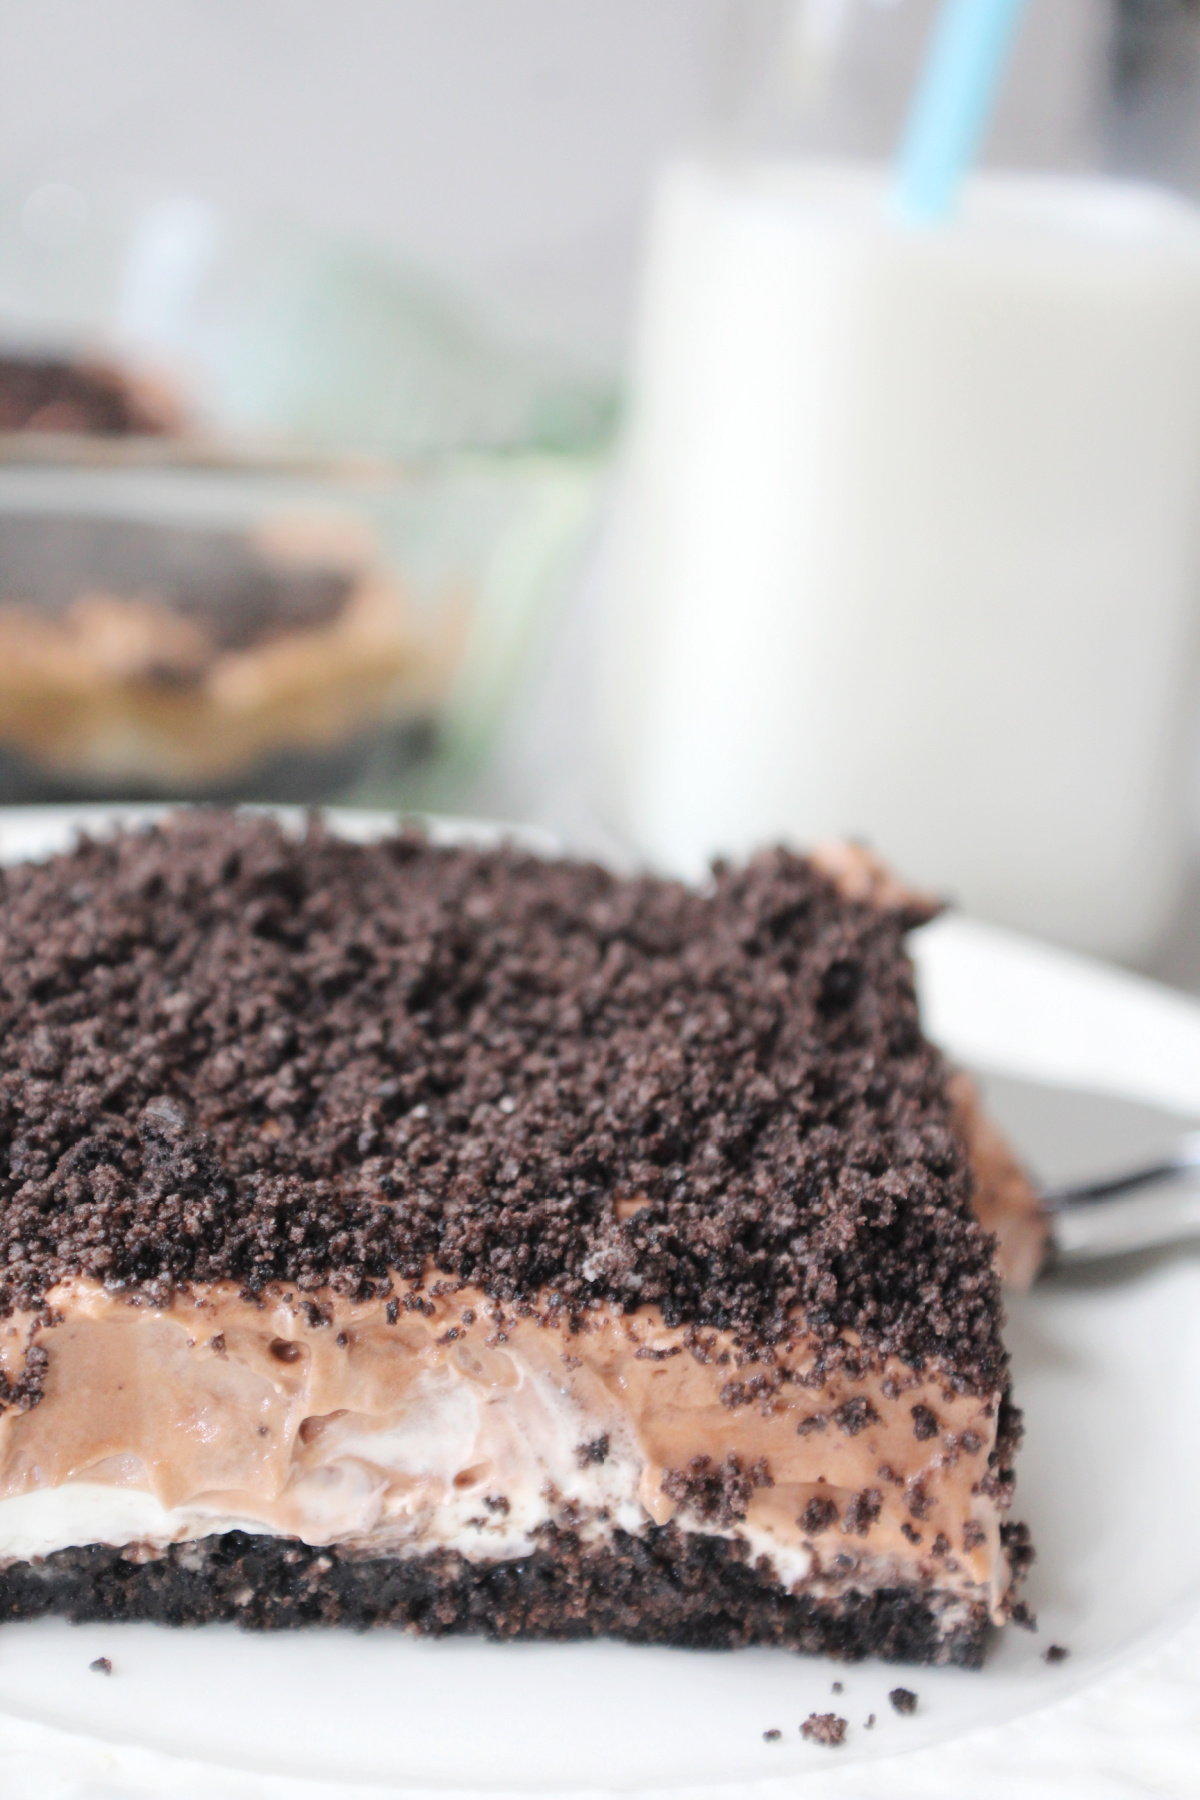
1107 1372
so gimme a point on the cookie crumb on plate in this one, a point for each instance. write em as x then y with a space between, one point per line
824 1728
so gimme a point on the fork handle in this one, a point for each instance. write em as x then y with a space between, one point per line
1164 1209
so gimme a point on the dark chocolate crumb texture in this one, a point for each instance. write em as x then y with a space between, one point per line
660 1587
824 1728
228 1054
361 1086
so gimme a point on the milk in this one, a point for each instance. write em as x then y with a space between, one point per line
910 548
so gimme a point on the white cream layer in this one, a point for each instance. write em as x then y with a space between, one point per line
423 1484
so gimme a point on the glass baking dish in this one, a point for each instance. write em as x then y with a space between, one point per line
277 520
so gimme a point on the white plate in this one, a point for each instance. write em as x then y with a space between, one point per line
1107 1371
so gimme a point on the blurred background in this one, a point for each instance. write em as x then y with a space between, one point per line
538 409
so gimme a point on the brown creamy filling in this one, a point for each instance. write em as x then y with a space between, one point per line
438 1420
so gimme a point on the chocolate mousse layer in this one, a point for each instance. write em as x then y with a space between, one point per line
498 1221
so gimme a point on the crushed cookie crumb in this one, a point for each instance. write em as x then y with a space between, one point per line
862 1512
101 1666
824 1728
925 1422
919 1500
853 1416
818 1515
903 1700
717 1493
363 994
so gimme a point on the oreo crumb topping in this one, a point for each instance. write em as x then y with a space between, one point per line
818 1515
1055 1653
1018 1547
853 1416
836 1688
594 1452
925 1422
824 1728
101 1666
228 1053
869 1722
25 1392
761 1387
919 1500
772 1737
716 1493
863 1511
903 1700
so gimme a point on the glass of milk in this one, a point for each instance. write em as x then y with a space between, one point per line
910 543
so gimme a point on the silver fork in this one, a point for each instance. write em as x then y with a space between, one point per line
1141 1210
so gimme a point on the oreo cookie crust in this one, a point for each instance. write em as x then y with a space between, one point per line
663 1587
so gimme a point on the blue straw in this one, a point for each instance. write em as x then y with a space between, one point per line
953 103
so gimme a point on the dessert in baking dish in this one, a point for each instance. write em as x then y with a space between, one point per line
143 657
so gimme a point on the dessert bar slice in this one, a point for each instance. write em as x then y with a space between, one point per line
466 1241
